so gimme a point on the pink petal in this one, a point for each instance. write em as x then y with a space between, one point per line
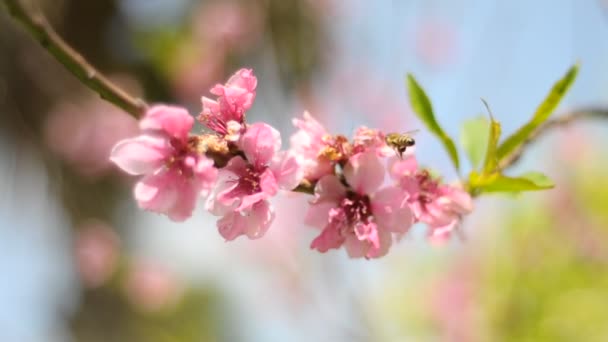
140 155
254 223
441 234
367 232
329 238
188 195
364 172
402 167
385 241
210 108
356 248
166 193
231 226
286 170
391 211
206 174
260 142
243 78
456 199
223 186
174 121
317 214
268 183
329 188
260 218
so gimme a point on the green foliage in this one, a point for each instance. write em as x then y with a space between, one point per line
490 164
424 110
541 115
474 139
497 182
491 179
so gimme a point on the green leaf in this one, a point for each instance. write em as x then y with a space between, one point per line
424 110
541 115
538 178
491 161
500 183
474 139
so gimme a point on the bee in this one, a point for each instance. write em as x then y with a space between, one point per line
400 141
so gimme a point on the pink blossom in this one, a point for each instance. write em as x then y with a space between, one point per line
96 252
307 145
85 141
362 219
151 287
440 206
175 173
366 139
226 116
245 185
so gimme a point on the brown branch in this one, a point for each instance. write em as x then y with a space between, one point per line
38 26
564 120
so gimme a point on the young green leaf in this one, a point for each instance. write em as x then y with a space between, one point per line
474 139
541 115
502 183
491 162
424 110
538 178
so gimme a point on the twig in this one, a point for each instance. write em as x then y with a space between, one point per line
588 113
38 26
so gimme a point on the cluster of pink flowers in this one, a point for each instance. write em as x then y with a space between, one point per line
239 166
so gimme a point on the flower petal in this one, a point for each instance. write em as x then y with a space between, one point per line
364 172
286 170
140 155
174 121
157 192
391 211
260 142
356 248
261 217
329 188
402 167
254 223
317 214
385 241
329 238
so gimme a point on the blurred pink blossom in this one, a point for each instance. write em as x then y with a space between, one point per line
245 185
96 252
175 173
228 25
307 144
440 206
453 304
226 116
368 139
195 72
151 287
436 42
363 219
83 135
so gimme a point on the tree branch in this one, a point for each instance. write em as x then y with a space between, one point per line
564 120
38 26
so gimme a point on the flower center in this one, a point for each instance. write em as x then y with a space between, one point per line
428 187
251 179
181 158
356 207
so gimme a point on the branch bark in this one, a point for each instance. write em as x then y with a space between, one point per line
41 30
564 120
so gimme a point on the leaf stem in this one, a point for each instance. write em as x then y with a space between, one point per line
41 30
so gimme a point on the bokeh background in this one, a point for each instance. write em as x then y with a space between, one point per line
79 262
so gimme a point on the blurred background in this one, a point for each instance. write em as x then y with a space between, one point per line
79 262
